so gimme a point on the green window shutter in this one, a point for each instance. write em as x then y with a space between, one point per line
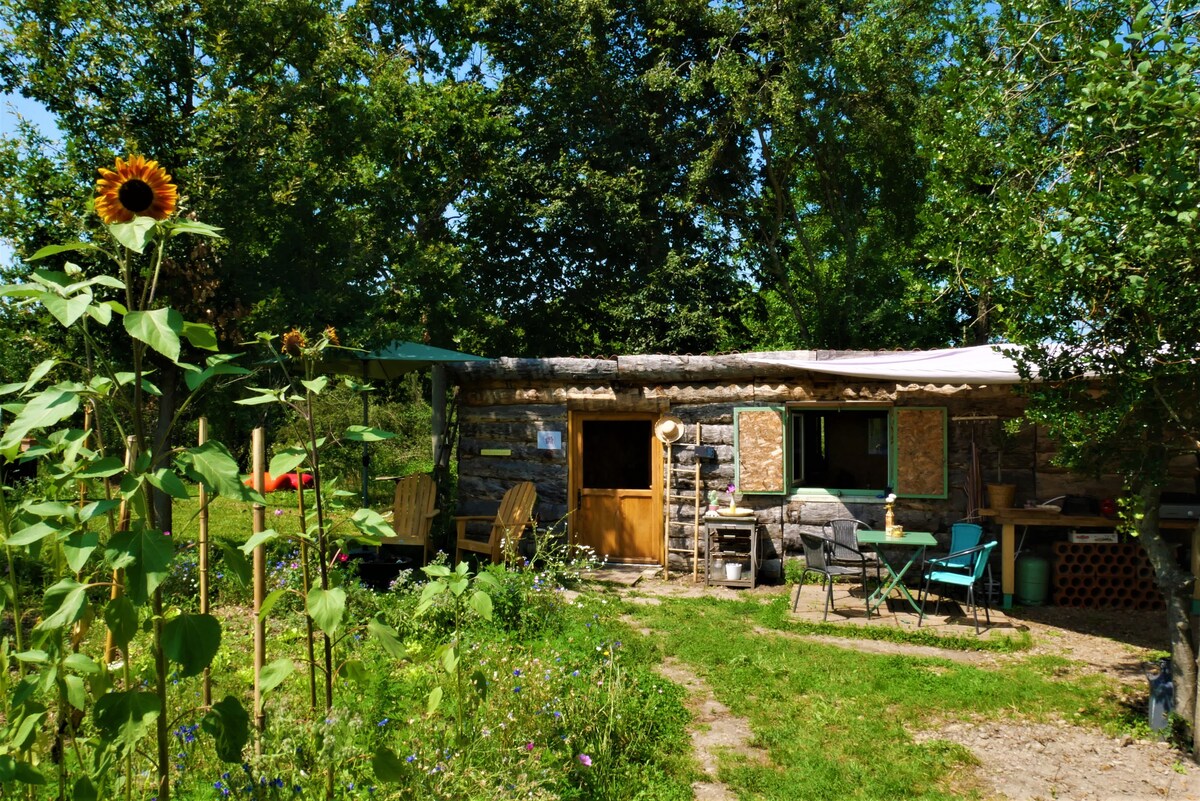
920 443
760 449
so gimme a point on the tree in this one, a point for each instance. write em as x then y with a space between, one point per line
1102 180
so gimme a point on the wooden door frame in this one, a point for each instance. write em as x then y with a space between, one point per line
575 420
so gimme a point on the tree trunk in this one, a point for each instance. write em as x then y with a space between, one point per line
1175 584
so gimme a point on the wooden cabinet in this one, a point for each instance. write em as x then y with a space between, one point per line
730 541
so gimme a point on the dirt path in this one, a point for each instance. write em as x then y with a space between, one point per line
715 729
1017 761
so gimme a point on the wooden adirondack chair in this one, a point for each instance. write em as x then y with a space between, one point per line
516 510
413 512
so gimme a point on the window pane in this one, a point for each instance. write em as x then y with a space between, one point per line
616 454
840 449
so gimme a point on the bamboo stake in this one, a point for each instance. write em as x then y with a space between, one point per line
118 576
202 544
306 586
259 524
667 517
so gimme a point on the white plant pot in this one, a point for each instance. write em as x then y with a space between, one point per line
733 571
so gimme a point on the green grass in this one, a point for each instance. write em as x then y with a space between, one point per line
835 722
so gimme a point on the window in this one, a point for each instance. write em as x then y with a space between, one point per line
841 450
845 449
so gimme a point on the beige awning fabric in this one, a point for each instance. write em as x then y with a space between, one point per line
984 364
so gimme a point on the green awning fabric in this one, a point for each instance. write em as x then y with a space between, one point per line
393 360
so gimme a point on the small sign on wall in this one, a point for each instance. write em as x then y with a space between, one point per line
549 440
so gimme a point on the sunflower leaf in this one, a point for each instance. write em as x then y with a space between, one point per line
200 335
160 329
135 234
177 227
54 250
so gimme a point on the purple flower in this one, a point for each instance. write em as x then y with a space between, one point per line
279 513
585 760
528 746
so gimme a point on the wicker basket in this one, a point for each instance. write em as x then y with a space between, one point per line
1001 496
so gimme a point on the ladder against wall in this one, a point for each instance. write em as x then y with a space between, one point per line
672 495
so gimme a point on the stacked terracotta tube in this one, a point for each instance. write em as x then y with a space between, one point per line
1101 575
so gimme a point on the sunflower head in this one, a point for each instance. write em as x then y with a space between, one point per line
293 343
331 336
137 188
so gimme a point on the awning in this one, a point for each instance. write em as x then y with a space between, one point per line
983 364
394 360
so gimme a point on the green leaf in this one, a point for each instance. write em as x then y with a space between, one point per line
195 380
68 247
481 684
146 556
62 605
182 226
67 310
355 671
84 790
135 234
372 525
273 674
101 468
269 602
76 692
388 767
78 546
264 396
50 406
124 718
387 637
31 534
81 663
258 539
316 385
214 466
326 608
160 329
235 562
436 571
481 602
287 460
200 335
433 701
34 657
166 480
192 641
449 660
122 620
229 726
38 373
368 434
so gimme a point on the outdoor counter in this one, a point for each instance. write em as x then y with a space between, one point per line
1009 519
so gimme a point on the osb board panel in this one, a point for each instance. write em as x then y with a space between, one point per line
760 450
920 452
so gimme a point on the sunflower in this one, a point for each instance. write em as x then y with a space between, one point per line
331 336
293 343
137 188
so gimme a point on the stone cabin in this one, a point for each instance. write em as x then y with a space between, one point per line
802 444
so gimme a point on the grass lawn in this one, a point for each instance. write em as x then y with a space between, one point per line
835 722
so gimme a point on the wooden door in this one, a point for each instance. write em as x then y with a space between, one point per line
616 485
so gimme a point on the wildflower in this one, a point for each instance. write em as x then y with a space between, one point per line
585 760
137 188
167 533
528 746
279 513
517 672
293 343
343 558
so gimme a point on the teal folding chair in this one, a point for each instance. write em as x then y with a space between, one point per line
963 537
976 559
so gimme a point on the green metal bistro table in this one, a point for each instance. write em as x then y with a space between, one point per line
915 541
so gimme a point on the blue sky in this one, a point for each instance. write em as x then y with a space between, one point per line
10 107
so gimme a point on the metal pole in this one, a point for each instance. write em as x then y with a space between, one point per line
259 523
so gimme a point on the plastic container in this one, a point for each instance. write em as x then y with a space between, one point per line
733 571
1033 580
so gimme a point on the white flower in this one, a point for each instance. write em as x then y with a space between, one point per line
891 498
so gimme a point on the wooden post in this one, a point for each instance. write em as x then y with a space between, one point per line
118 576
202 545
437 403
696 510
259 524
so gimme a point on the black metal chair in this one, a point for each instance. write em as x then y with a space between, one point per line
944 572
819 559
844 533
